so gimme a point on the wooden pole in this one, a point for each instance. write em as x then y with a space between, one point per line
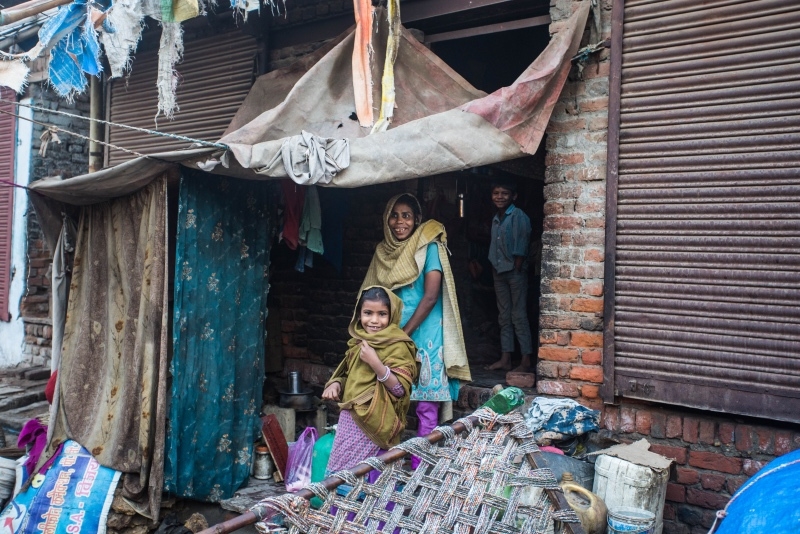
28 9
360 470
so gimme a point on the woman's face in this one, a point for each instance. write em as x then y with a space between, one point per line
402 221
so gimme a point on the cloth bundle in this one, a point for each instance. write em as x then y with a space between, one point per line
557 419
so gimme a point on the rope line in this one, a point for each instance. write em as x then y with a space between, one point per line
58 129
126 126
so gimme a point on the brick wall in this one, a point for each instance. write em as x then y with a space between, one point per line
571 317
69 158
714 453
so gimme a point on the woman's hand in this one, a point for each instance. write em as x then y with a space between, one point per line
370 357
332 392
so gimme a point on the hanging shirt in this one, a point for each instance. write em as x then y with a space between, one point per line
511 237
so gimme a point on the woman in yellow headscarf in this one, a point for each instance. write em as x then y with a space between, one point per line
412 261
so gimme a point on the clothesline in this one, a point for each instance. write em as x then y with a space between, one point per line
126 126
62 130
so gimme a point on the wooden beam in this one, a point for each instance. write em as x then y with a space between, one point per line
28 9
544 20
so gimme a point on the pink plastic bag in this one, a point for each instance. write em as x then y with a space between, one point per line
298 466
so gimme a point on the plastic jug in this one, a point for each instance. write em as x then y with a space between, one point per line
590 508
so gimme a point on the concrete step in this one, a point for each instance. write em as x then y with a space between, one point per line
16 418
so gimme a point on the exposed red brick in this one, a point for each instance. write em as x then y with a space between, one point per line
676 492
553 208
734 483
587 305
627 417
643 422
566 126
586 339
658 425
590 391
547 338
594 289
520 380
712 482
593 254
555 158
765 436
598 123
715 462
591 357
674 426
558 354
707 432
572 287
706 499
669 513
783 442
691 427
562 223
743 438
587 374
562 338
751 467
676 453
594 104
610 418
726 433
686 476
563 389
594 404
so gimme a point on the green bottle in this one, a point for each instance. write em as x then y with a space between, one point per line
507 400
319 461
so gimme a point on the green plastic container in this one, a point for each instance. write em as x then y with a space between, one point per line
319 461
507 400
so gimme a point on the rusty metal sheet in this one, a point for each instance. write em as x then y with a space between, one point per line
210 72
705 213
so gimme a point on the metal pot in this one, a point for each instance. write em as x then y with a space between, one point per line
301 401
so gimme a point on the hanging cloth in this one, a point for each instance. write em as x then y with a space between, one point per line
294 197
111 390
221 266
311 222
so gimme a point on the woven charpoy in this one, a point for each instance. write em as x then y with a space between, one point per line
469 482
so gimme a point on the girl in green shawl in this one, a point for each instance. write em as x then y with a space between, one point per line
373 382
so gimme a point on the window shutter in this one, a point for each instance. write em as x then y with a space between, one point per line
7 146
703 239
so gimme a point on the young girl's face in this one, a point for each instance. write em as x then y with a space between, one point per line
402 221
374 316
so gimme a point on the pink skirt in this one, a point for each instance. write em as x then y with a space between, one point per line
350 446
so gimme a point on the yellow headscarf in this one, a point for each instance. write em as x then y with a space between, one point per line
398 263
378 413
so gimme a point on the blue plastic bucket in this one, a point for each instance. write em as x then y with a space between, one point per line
631 521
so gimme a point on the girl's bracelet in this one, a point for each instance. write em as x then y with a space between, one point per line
386 376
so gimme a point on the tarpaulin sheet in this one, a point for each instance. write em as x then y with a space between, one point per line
441 123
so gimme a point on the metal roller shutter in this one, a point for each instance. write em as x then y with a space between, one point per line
703 240
7 146
216 74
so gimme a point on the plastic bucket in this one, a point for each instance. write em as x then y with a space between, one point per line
631 521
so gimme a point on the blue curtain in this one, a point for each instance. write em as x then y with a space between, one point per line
217 369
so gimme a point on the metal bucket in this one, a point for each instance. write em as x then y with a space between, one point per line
631 521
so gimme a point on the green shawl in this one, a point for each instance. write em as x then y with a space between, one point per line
378 413
398 263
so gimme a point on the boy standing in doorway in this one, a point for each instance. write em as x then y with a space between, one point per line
508 254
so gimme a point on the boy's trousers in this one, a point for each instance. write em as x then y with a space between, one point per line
511 288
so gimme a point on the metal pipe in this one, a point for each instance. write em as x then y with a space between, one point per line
19 36
28 9
362 469
95 127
